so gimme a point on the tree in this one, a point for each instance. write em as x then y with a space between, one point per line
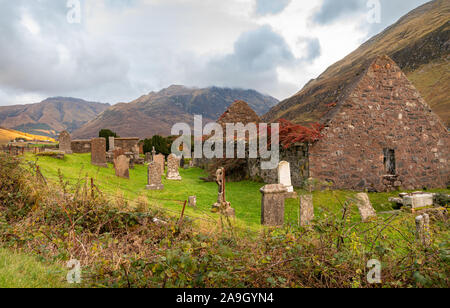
162 145
106 133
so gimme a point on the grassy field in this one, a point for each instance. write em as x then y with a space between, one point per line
244 196
23 271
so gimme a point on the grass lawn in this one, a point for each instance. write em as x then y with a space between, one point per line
23 271
244 196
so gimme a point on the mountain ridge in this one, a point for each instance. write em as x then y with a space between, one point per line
156 112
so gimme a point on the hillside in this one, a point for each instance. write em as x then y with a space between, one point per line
50 116
156 113
7 135
418 42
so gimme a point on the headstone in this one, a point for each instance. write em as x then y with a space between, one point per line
222 205
420 200
148 157
365 207
172 168
111 143
191 163
65 142
193 201
98 154
154 177
284 176
306 210
423 234
122 165
153 154
272 204
161 160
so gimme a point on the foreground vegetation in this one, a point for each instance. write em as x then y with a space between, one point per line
131 239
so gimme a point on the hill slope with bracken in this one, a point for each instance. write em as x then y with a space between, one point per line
50 116
419 43
156 113
7 135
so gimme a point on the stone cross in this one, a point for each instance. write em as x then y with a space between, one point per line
65 142
98 152
122 166
222 205
284 176
154 177
306 210
172 168
153 153
365 207
272 204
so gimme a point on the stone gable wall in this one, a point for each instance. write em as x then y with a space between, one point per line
384 111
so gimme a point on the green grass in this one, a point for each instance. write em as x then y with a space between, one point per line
23 271
244 196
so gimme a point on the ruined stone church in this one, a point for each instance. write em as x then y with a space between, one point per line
379 135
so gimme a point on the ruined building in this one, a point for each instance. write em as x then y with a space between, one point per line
379 135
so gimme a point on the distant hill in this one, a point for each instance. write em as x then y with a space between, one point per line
156 113
50 116
419 43
6 135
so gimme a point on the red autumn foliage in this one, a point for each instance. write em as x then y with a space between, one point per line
291 133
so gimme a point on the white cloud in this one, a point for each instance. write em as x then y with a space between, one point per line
125 48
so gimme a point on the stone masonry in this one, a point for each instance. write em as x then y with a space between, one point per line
98 154
382 136
65 142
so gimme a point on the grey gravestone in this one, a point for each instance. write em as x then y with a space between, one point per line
154 177
98 152
423 234
172 168
193 201
306 210
122 166
365 207
272 204
65 142
148 157
111 144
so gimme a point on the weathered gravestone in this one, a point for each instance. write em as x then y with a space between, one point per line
193 201
284 178
98 152
423 234
272 204
172 168
65 142
122 166
222 205
154 177
365 207
148 157
161 161
111 143
306 210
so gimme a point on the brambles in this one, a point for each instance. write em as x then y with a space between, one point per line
293 133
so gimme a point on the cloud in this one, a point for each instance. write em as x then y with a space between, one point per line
270 7
332 11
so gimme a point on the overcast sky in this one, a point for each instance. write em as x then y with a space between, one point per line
123 49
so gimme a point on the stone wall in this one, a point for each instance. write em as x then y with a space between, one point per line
81 146
383 119
126 144
297 156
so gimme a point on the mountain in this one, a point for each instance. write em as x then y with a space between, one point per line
50 116
419 43
156 113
